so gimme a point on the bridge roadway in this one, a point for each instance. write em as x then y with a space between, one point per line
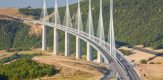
125 70
122 66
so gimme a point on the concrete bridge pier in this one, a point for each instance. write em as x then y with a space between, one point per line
44 38
55 43
67 44
105 61
99 58
78 48
89 52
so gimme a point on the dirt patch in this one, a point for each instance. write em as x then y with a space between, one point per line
158 60
2 51
4 54
151 71
147 71
71 69
138 56
9 11
36 29
13 12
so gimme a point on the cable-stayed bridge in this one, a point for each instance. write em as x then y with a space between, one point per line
106 49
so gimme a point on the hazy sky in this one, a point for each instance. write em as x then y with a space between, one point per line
32 3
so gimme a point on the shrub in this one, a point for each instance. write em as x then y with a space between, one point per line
26 69
151 63
143 61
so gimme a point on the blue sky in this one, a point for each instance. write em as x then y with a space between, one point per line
32 3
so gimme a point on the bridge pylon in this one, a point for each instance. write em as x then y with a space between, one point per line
56 20
44 38
111 38
100 32
99 57
44 30
79 28
68 24
90 31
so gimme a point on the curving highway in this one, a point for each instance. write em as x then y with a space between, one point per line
125 70
121 65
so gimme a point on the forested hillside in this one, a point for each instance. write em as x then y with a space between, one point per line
135 21
16 35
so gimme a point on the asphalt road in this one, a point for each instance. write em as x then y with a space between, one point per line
129 68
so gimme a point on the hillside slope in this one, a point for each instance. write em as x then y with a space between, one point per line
135 21
16 35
